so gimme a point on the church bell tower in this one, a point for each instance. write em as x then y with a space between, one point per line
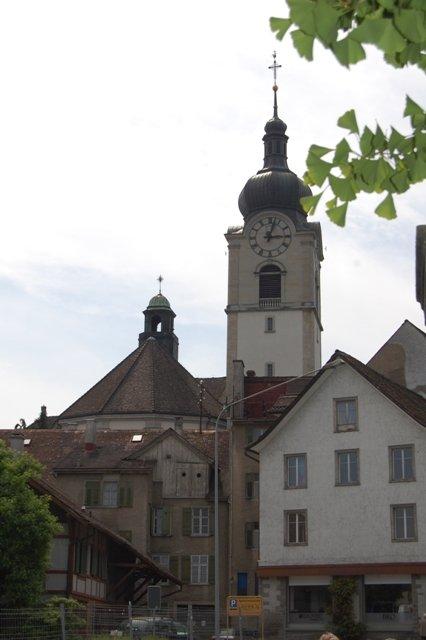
159 323
274 317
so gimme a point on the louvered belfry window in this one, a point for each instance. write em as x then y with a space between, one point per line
270 282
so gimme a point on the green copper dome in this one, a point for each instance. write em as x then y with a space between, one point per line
159 302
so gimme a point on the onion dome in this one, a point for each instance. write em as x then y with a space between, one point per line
159 302
274 186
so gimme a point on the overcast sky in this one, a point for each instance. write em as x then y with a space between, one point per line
128 129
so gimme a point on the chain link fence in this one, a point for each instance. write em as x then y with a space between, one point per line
102 622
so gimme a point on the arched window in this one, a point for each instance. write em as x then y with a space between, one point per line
269 282
156 324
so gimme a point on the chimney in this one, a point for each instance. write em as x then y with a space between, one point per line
90 436
16 441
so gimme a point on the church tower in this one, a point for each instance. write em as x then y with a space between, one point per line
159 323
274 318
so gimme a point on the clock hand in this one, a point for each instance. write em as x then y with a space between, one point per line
269 236
273 225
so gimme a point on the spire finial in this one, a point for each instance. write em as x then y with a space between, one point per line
160 280
275 66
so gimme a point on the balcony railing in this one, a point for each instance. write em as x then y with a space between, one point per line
269 303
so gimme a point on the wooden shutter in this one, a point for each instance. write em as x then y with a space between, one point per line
211 569
174 565
186 569
167 521
211 520
125 495
186 521
93 493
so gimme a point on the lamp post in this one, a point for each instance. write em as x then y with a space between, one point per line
225 407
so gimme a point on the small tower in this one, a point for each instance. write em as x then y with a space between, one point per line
159 323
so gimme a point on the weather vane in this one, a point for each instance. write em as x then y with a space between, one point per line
160 280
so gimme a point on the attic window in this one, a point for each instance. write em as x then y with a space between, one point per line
27 441
137 437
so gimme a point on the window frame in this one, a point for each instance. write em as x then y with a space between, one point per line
287 513
338 483
393 448
267 330
345 427
155 558
393 527
154 509
248 528
286 459
194 517
253 480
104 484
199 565
267 365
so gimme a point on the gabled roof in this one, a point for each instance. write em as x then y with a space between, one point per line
168 433
149 381
409 401
64 502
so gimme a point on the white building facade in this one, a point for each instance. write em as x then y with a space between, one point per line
342 492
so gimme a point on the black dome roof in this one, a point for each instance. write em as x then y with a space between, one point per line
274 186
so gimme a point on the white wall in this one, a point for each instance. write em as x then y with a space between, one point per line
346 524
284 347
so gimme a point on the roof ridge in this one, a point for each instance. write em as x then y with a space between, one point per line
126 375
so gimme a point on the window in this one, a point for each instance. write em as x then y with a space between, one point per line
253 433
401 461
269 369
200 521
80 557
199 569
110 494
270 325
404 525
270 282
163 561
295 527
92 493
383 602
160 521
295 471
252 535
347 467
308 603
345 414
252 486
242 584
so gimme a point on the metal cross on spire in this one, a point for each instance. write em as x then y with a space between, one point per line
275 66
160 280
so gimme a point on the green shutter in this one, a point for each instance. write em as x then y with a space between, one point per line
186 569
93 492
211 569
174 565
125 495
167 521
186 521
211 520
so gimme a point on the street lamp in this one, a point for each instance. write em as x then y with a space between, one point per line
225 407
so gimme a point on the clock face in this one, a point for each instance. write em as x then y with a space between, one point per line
270 236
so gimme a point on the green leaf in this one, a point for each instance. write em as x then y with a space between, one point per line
342 188
326 19
309 203
319 151
411 24
386 209
348 121
338 214
348 51
366 141
303 44
318 169
380 32
302 14
342 152
415 112
388 4
398 141
379 140
400 181
280 26
418 171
